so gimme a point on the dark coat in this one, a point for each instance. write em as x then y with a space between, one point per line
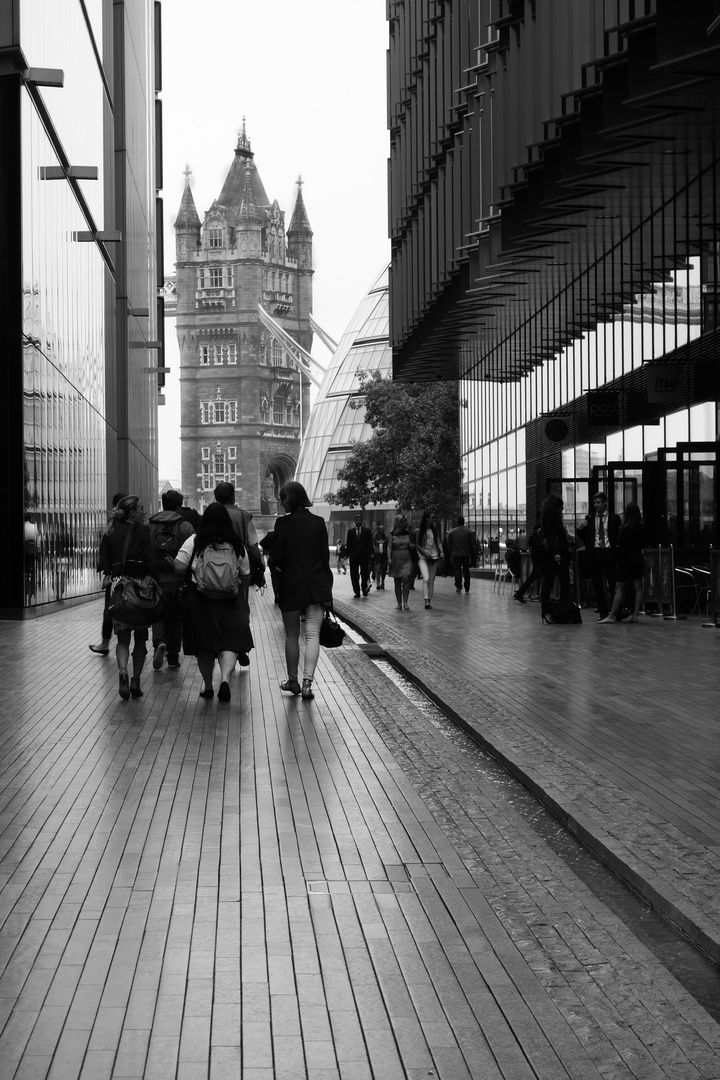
139 554
556 539
301 553
359 547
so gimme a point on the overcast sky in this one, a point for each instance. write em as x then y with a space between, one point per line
310 79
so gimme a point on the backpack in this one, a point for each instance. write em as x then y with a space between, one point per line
217 573
166 544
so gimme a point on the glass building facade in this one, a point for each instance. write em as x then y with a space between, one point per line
338 416
554 209
78 404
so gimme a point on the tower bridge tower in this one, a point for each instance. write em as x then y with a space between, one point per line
244 404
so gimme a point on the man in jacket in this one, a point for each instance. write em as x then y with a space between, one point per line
168 532
461 545
599 534
359 543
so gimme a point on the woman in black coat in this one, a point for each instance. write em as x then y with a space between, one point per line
126 549
301 553
630 563
555 551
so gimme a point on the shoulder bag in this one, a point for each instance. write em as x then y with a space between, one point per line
136 603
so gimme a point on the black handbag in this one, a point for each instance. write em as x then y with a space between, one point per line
565 611
136 603
332 634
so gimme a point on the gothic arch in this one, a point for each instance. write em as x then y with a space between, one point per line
279 471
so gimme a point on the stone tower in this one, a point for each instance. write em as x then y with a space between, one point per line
243 403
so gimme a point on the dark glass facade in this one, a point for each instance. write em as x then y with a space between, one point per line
78 401
554 210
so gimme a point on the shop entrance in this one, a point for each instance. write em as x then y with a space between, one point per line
678 494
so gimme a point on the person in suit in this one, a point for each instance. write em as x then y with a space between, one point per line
301 553
461 550
359 543
599 534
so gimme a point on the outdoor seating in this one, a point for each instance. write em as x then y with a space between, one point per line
701 575
502 573
686 588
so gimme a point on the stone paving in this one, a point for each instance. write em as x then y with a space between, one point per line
280 889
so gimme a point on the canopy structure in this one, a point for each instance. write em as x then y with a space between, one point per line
302 359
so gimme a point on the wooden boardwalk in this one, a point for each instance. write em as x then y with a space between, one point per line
279 889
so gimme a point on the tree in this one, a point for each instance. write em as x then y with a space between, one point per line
413 455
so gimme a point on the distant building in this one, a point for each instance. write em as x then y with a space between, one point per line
338 415
243 403
79 315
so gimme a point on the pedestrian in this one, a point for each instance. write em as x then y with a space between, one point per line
462 552
216 616
380 560
401 564
555 554
599 533
242 523
168 532
359 545
630 563
429 549
302 554
187 513
103 646
536 554
126 551
342 558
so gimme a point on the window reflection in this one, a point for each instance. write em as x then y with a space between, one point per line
64 426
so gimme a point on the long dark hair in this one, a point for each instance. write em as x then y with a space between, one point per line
216 528
632 516
551 514
428 526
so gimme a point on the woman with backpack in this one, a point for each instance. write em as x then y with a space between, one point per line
126 552
301 553
216 616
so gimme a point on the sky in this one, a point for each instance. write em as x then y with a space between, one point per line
310 79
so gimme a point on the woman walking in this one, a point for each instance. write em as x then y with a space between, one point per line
555 554
126 550
630 563
302 555
429 550
401 565
216 625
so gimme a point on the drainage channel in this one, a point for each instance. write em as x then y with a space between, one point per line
692 969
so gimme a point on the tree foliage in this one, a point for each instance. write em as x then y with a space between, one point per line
413 455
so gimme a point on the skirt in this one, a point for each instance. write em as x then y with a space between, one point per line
215 626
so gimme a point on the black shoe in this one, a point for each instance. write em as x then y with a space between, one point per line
356 596
135 687
243 659
173 661
458 590
159 657
519 598
124 687
99 649
291 686
224 692
207 693
366 591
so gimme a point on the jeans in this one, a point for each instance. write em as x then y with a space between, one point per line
170 629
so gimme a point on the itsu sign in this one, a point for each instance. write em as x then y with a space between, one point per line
666 383
603 408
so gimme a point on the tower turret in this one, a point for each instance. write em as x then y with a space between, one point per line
187 223
299 235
